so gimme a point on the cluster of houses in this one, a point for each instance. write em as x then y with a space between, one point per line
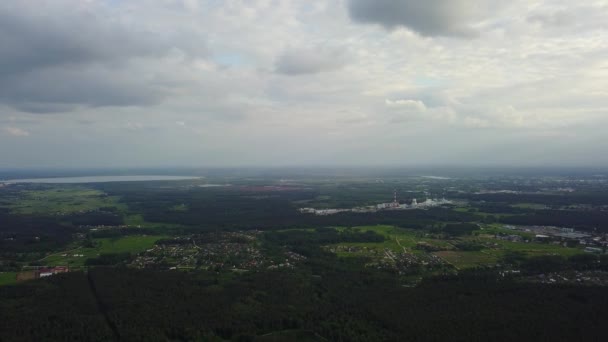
41 272
593 242
234 250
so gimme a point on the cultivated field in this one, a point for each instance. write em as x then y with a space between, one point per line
61 201
401 240
77 257
7 278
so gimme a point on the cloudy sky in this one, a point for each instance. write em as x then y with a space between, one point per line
88 83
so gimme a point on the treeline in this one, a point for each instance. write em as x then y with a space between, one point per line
330 301
562 199
584 220
95 218
455 229
211 209
321 236
555 263
308 243
109 259
115 233
30 234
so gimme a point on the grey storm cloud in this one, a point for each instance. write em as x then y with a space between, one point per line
428 17
63 89
67 58
310 61
32 41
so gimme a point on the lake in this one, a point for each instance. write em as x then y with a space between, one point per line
98 179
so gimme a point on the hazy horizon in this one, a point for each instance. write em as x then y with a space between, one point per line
261 83
303 172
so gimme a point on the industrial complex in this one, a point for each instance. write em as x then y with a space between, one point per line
394 205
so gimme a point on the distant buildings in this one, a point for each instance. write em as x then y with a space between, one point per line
47 272
512 238
542 237
394 205
564 236
42 272
323 212
594 250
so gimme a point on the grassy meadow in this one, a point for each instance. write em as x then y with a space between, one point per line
62 201
399 240
127 244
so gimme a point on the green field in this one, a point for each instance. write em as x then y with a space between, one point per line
536 249
493 229
462 259
61 201
481 214
397 239
135 220
138 220
127 244
401 240
534 206
7 278
407 237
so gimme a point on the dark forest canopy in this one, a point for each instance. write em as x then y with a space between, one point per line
336 303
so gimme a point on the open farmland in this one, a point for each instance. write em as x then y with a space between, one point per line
463 259
62 201
77 257
420 242
397 239
7 278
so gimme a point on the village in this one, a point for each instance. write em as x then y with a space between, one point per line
593 242
236 251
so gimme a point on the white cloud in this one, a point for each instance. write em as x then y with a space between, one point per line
310 60
135 126
272 82
15 131
406 105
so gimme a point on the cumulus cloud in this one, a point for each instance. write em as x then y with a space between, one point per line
74 55
428 18
63 89
406 110
555 18
163 81
566 17
134 126
475 122
15 131
310 61
64 36
406 105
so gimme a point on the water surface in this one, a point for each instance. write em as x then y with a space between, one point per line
98 179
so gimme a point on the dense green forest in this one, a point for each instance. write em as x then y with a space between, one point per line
328 301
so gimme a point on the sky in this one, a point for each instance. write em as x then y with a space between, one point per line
228 83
